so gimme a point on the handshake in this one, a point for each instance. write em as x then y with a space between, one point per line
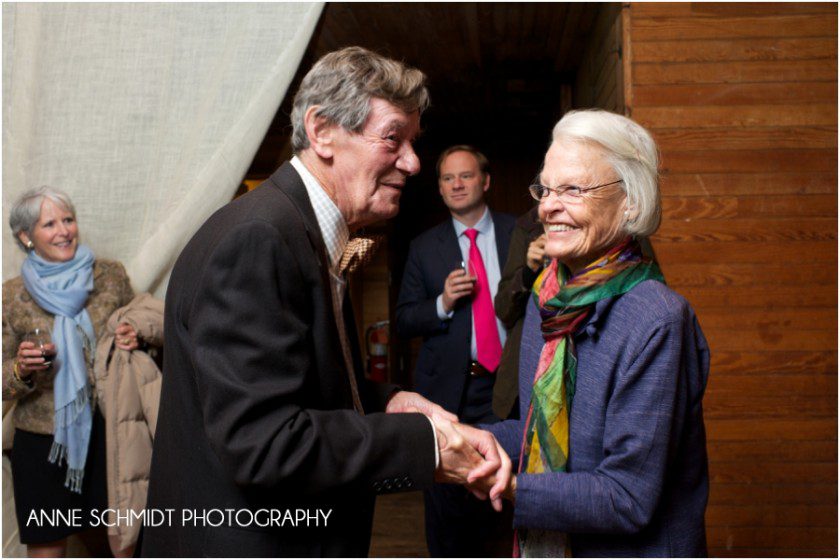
468 456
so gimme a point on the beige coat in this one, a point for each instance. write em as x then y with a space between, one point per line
128 386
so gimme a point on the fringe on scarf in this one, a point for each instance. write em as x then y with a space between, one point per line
58 451
75 477
70 413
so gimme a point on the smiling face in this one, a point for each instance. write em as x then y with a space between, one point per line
578 233
461 183
369 169
55 235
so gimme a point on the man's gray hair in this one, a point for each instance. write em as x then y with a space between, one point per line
633 155
342 84
26 210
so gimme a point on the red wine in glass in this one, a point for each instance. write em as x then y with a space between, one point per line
42 339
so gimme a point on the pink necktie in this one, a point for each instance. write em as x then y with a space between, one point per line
488 344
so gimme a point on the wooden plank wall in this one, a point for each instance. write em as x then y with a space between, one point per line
742 99
599 82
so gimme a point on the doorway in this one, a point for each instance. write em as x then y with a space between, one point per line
499 74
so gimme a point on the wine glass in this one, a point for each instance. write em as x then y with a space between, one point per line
42 339
469 270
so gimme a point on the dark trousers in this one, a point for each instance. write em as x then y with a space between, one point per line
458 525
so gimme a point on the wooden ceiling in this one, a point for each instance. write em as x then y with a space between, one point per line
491 66
474 54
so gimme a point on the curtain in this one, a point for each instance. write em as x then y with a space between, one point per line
148 115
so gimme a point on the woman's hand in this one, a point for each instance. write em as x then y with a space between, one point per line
483 486
30 359
125 337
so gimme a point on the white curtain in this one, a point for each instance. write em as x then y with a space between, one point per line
148 115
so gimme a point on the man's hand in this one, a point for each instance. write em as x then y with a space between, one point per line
457 285
406 401
536 253
472 457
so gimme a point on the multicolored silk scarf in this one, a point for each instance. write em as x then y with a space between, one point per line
565 301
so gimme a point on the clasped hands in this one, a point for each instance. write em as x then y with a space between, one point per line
468 456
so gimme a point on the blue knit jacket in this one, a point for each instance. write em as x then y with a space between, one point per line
637 478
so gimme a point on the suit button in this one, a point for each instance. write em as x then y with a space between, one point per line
389 485
377 486
398 484
407 482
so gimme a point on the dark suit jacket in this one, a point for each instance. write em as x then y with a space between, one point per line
443 362
256 410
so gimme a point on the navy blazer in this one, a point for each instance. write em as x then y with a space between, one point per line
637 481
444 359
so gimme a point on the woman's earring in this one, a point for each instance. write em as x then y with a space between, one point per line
30 245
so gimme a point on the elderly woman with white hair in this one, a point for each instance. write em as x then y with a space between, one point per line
613 364
58 456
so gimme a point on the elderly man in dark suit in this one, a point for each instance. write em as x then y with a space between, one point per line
269 441
446 297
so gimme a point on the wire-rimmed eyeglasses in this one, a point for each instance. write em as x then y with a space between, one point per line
569 193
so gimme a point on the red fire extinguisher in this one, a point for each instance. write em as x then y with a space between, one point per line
376 336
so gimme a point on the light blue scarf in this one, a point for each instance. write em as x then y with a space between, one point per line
62 288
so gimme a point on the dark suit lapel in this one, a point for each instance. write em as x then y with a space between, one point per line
286 179
450 259
450 251
352 336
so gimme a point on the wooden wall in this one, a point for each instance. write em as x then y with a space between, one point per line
742 99
600 81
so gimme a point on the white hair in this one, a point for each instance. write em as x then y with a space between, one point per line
26 210
633 155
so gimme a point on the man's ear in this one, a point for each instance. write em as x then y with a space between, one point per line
486 186
320 132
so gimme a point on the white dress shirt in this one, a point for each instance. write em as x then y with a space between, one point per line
332 224
486 241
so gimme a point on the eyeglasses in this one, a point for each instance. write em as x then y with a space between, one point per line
566 193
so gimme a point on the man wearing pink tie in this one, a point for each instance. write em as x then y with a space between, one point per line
447 293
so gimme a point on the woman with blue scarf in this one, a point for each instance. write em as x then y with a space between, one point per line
58 456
